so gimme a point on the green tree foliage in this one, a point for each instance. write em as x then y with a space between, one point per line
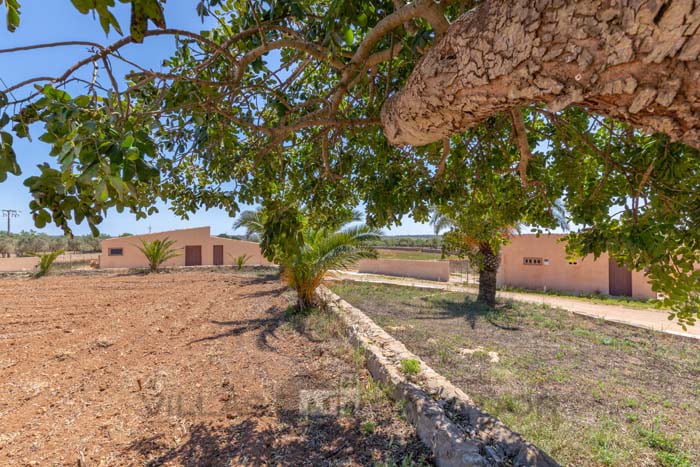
142 11
7 245
46 261
281 101
158 252
24 242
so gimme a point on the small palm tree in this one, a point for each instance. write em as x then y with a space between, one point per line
241 260
318 251
482 251
322 251
157 252
46 261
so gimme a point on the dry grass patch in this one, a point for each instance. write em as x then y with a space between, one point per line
586 391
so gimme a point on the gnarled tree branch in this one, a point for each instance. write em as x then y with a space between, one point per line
635 61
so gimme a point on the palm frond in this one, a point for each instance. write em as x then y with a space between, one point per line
252 221
440 222
46 261
323 250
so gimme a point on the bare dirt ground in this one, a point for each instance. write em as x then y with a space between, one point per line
183 368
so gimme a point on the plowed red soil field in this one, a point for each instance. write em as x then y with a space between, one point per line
181 368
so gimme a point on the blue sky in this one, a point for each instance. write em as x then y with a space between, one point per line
57 20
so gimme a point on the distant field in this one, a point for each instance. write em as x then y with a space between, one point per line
407 254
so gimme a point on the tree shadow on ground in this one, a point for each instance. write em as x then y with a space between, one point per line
266 293
472 311
286 438
265 327
260 279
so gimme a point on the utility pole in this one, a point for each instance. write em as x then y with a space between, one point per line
9 213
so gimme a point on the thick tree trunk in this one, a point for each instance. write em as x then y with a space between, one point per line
635 60
487 275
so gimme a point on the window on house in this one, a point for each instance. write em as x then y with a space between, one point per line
532 261
573 263
115 252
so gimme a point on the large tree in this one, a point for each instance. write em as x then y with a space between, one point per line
285 100
484 201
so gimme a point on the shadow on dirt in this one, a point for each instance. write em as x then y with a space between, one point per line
265 327
289 438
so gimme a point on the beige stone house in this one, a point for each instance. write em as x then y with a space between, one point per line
196 247
540 263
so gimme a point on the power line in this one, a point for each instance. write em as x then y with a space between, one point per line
9 213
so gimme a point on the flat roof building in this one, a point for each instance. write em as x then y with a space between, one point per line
540 263
196 247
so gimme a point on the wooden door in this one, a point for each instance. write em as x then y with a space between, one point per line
620 280
218 255
193 255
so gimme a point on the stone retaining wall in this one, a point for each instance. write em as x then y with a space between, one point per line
445 418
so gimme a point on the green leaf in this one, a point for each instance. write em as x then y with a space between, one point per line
349 36
83 6
128 142
101 191
133 154
12 14
41 218
82 101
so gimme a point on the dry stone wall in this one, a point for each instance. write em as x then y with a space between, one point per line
446 419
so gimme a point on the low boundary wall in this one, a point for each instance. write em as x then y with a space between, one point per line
28 263
417 269
446 420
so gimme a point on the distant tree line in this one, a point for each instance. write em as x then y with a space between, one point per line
232 237
24 243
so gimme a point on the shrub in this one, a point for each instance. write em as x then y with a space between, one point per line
7 246
46 261
157 252
410 366
241 260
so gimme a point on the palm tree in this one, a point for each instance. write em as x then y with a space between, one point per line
253 222
480 238
157 252
46 261
323 250
480 251
320 250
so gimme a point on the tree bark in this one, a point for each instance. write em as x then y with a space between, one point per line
487 275
634 60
